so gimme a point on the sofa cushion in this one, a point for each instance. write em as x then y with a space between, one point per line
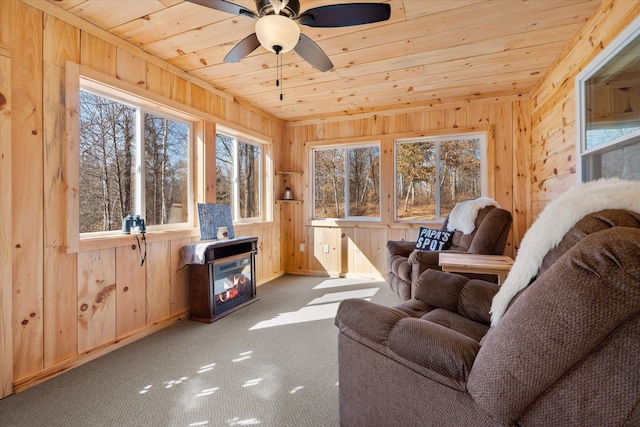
475 300
458 323
433 240
439 289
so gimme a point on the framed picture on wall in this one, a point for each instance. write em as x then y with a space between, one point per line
213 217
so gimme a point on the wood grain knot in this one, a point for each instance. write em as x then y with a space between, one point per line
3 101
25 322
84 307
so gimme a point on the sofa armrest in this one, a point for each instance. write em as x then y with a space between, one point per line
475 300
428 258
400 247
435 347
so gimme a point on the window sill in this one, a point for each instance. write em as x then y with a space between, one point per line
90 243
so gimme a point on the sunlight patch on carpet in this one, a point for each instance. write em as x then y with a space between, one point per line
321 308
339 296
342 281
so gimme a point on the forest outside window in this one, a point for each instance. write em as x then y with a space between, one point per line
433 174
133 160
347 182
239 177
608 91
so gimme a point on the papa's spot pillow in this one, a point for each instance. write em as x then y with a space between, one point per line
433 240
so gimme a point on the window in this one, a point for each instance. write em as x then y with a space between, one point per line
433 174
239 182
608 116
132 161
347 182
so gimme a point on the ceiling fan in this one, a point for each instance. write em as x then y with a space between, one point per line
278 25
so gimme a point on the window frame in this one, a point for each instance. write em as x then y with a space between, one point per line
200 144
350 146
142 107
437 138
265 173
583 154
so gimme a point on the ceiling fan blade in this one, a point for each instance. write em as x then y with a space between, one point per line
242 49
345 15
226 6
311 52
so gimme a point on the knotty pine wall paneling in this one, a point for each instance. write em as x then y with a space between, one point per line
6 240
131 286
180 279
553 109
158 281
97 315
27 189
60 307
61 44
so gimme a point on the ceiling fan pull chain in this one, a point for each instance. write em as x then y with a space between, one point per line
281 78
277 70
279 81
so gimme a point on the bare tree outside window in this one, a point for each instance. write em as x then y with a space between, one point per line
364 182
224 169
415 180
433 175
347 182
241 161
459 172
166 169
249 180
329 169
108 150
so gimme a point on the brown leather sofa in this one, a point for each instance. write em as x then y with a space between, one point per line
406 263
566 352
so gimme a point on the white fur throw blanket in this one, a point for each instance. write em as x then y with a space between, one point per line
553 223
463 215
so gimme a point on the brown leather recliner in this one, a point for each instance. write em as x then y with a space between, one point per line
406 264
565 353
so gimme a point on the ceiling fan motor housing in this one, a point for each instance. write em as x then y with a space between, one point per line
291 10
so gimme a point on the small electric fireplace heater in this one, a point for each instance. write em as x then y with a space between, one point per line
225 281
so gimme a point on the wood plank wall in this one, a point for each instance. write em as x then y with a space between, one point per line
359 249
6 264
59 309
553 107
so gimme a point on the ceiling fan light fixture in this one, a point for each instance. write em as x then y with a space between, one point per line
277 30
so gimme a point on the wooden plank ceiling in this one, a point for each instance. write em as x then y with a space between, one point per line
429 52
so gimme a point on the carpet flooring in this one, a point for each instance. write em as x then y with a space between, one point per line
272 363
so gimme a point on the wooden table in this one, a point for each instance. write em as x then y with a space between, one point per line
474 263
